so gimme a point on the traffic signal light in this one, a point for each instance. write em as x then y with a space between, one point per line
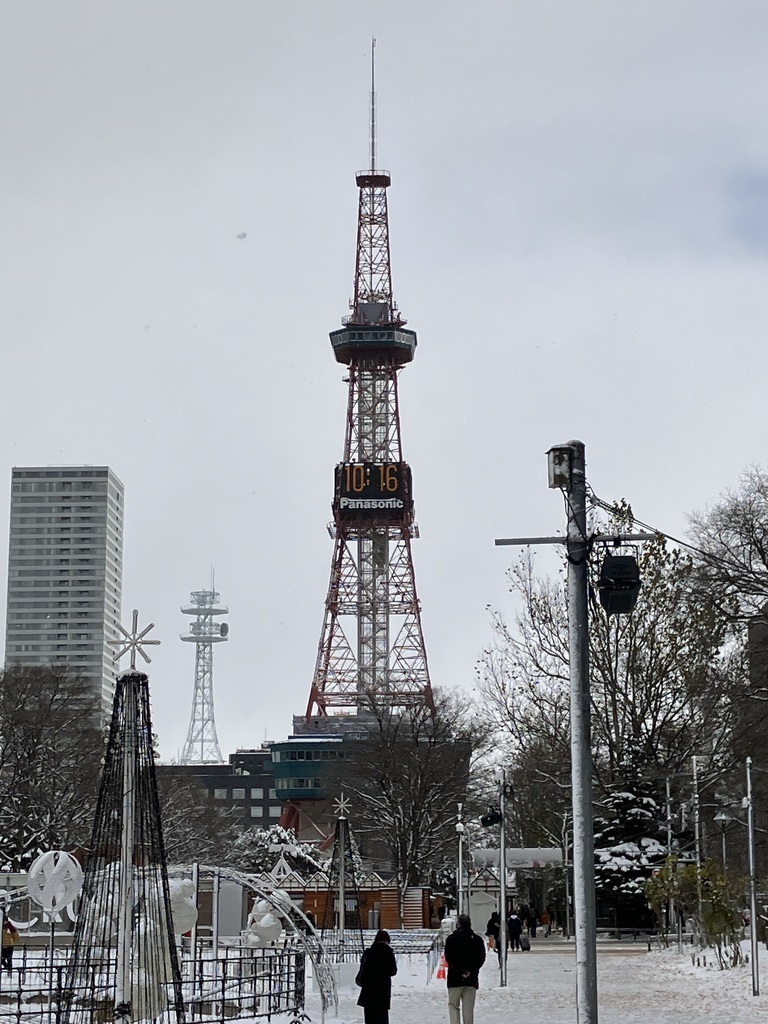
493 817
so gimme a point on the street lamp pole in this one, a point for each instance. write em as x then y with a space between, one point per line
566 464
722 818
460 864
697 843
502 880
567 866
673 921
567 470
752 893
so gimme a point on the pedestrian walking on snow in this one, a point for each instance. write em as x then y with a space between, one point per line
465 955
514 930
493 932
9 937
377 968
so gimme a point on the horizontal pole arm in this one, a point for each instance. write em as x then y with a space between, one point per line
502 541
601 538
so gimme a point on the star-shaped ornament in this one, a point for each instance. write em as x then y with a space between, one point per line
134 641
341 806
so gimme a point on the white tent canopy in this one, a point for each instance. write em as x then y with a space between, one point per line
523 857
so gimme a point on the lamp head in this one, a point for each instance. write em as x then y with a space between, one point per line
559 465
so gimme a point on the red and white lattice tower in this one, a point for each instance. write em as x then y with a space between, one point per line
372 646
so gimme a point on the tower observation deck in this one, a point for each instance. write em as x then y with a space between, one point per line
371 647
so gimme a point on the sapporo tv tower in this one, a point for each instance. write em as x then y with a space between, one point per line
372 647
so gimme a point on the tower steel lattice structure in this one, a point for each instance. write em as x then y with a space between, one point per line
202 745
372 645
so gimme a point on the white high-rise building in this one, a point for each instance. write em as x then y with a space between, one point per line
65 570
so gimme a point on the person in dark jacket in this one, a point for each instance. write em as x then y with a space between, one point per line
377 968
10 937
493 932
514 930
464 955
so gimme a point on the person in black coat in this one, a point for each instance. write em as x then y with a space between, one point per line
377 968
465 955
493 932
514 930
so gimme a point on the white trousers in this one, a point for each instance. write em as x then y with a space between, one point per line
464 998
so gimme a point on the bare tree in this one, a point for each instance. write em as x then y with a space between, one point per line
194 829
406 780
732 571
732 541
661 690
51 746
523 680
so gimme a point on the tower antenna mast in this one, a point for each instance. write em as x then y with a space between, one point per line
373 103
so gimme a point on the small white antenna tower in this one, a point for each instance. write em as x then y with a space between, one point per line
202 745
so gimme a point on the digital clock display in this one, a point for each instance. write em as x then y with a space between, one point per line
372 490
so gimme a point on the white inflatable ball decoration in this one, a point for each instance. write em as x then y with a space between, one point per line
268 928
54 880
261 907
183 908
282 900
182 888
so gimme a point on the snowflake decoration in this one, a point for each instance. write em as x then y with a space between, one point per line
134 641
341 806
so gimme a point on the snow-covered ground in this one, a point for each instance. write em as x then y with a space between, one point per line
634 987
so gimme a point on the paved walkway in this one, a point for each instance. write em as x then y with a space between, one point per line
634 987
605 945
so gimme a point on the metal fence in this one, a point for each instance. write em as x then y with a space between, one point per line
414 941
244 983
240 983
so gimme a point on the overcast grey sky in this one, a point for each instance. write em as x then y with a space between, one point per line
579 226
